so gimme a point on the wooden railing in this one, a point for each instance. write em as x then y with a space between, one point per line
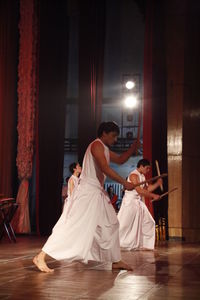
123 144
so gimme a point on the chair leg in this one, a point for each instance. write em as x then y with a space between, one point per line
7 215
9 226
7 231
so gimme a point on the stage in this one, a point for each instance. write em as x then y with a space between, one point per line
172 271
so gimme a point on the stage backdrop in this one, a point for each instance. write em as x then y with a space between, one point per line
53 38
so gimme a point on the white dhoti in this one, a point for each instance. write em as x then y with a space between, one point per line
88 228
137 227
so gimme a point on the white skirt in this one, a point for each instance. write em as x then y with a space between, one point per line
88 228
136 225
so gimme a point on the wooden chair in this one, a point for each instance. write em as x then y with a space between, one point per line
8 207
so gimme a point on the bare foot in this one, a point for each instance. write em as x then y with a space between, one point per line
41 265
120 265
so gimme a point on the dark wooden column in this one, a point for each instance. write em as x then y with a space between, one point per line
175 109
183 63
191 125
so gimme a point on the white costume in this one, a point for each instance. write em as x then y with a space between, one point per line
66 189
68 203
88 229
75 180
137 227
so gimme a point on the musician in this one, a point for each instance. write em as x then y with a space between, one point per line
137 226
113 197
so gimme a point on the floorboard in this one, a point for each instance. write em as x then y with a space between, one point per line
172 271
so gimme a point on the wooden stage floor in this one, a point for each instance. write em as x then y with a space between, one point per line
172 271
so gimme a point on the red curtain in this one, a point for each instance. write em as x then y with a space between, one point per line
26 110
8 97
91 54
147 106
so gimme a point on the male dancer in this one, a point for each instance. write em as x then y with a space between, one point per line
136 225
91 230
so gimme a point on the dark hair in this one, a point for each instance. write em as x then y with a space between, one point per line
67 179
107 127
109 190
143 162
72 167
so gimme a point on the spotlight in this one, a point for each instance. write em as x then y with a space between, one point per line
130 85
131 102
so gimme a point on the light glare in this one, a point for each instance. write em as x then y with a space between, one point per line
130 85
131 102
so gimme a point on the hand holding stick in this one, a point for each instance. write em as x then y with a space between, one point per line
151 179
165 194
